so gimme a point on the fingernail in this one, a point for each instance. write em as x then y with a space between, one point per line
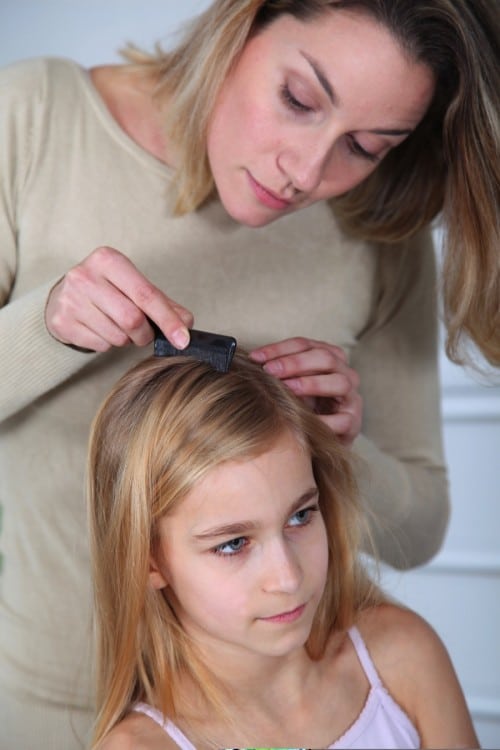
180 338
274 368
257 356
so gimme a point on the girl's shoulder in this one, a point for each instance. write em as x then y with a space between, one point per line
137 732
414 666
401 643
387 621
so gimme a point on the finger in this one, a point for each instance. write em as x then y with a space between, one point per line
310 362
98 307
172 318
116 318
280 349
184 314
293 345
88 340
336 384
343 425
83 324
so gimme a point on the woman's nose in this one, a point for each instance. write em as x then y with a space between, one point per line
305 163
282 571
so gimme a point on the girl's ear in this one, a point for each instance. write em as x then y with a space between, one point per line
156 578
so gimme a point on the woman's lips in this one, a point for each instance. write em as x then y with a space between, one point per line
265 196
284 617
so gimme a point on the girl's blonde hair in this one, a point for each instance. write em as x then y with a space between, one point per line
449 165
165 425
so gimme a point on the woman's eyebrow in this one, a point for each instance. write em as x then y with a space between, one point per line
328 88
322 78
391 131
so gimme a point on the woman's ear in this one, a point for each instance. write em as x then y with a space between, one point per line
156 578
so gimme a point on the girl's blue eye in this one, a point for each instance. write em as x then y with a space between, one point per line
292 102
302 517
228 549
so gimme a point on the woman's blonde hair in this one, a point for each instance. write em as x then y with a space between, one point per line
162 428
448 166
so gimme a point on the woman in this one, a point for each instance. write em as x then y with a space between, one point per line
181 175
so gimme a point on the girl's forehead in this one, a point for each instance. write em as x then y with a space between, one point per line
272 478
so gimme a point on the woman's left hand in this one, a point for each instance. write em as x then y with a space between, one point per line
319 373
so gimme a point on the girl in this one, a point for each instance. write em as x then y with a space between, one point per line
232 608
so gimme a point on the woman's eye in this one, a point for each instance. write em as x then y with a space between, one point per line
303 517
292 102
357 149
232 547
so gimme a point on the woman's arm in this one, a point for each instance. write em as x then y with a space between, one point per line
401 470
31 362
37 316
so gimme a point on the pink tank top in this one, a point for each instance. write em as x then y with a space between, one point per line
382 723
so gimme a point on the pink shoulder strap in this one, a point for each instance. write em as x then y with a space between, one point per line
364 657
167 726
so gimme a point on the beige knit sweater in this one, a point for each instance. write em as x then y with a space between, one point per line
71 180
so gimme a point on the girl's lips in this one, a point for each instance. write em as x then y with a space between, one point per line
284 617
265 197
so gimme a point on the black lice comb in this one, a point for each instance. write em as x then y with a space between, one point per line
214 348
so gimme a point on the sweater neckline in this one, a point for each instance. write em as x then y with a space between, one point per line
114 129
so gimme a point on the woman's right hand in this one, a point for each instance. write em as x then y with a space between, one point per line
105 301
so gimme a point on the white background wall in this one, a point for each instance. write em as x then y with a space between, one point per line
459 592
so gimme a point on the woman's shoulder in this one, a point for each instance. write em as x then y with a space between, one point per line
30 88
137 732
38 101
32 73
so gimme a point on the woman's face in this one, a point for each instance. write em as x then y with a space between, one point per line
309 111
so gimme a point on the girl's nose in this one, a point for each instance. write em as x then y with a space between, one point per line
282 571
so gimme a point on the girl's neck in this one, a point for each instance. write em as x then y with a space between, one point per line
273 698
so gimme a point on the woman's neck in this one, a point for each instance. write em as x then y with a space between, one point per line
129 97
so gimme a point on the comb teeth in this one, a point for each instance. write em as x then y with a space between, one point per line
214 348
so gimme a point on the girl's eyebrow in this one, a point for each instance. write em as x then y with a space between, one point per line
240 528
328 88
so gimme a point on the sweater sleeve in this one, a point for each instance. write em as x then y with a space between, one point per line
31 361
402 473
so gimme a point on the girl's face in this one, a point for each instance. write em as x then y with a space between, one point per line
244 556
308 112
